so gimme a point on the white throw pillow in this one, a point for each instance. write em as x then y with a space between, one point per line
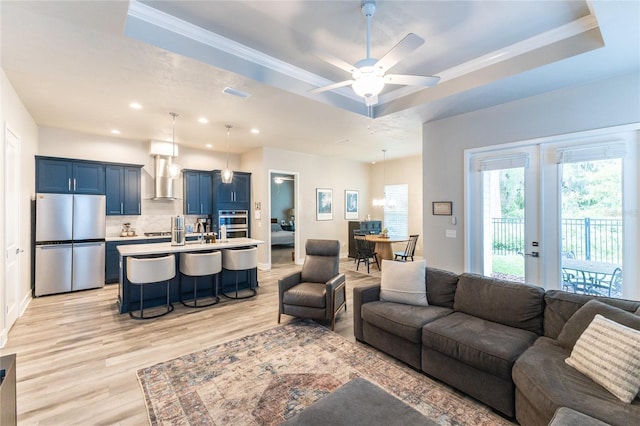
609 354
404 282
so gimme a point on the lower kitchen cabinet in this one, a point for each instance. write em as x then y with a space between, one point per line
112 259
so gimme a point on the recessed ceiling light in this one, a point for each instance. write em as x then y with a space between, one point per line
135 105
209 145
255 131
115 131
203 120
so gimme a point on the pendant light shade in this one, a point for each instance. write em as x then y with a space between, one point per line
173 167
227 173
384 202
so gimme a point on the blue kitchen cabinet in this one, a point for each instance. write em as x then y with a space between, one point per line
112 258
123 189
198 187
66 176
235 195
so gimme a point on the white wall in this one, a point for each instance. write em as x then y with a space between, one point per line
314 172
605 103
14 114
402 171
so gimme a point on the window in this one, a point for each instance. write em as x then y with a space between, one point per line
396 209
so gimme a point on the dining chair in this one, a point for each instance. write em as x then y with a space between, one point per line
365 252
409 250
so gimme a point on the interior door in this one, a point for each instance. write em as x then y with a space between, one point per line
503 215
11 296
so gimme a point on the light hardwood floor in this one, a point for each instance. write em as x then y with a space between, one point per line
77 357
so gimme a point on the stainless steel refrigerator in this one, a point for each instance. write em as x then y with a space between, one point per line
70 242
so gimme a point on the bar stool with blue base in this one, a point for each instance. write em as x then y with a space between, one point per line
244 259
144 271
199 265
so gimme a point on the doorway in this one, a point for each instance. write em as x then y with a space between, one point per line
283 224
10 296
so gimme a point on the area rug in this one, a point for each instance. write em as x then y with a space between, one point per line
269 377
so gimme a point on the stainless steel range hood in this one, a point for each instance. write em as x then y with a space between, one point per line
163 185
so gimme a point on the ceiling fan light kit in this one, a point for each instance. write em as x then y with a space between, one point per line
368 75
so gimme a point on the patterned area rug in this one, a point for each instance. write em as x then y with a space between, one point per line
266 378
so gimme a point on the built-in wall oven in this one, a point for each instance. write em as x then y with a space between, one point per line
236 222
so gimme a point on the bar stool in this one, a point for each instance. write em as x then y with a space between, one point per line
199 265
244 259
143 271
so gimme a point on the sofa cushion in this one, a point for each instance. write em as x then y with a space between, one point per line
567 417
561 305
482 344
505 302
548 383
403 282
405 321
441 287
312 295
579 321
609 354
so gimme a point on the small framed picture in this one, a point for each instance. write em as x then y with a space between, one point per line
442 208
350 204
324 204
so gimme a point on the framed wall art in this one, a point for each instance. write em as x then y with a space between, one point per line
351 204
442 208
324 204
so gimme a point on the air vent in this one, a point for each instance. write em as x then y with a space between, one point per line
236 92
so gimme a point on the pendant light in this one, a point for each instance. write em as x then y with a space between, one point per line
173 168
384 202
227 173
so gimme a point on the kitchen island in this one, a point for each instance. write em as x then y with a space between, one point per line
155 295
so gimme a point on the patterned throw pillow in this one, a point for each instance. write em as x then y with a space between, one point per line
609 354
404 282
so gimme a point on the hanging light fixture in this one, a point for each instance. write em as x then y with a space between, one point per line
384 202
173 169
227 173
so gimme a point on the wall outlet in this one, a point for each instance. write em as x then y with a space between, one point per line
450 233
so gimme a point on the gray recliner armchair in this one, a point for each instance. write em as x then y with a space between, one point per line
318 291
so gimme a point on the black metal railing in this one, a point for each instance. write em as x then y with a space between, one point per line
599 240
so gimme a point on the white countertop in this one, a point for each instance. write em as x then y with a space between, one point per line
161 248
144 237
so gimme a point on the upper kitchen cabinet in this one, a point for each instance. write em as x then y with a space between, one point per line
66 176
123 189
198 190
234 195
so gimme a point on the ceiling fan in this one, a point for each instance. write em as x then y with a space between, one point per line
368 75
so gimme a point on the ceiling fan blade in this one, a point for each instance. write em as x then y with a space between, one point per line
411 80
331 86
400 51
336 62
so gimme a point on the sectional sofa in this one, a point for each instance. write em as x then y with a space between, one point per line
497 341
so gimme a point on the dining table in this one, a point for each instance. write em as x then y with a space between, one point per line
591 276
384 249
